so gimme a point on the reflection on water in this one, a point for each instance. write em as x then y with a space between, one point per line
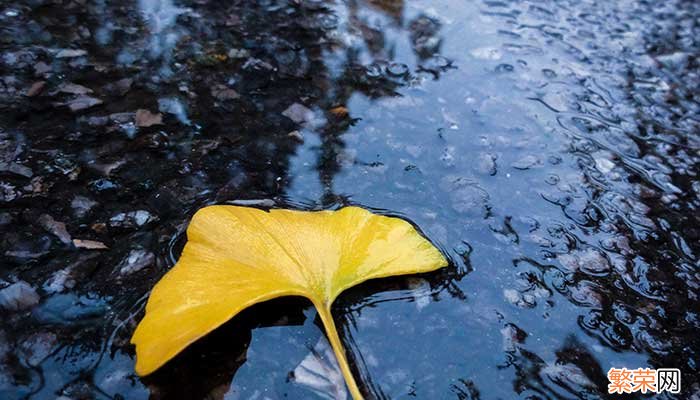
549 148
160 16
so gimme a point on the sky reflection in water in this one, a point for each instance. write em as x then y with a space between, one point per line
550 148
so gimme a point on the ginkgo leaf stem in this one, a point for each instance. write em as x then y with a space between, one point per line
324 310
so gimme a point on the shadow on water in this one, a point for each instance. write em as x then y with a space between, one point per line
205 369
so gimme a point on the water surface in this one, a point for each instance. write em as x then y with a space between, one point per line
550 148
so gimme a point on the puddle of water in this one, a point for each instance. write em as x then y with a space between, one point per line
550 148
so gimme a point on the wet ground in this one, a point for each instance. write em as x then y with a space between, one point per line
550 148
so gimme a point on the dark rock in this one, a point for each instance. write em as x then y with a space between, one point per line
136 261
41 68
68 309
82 102
132 219
103 185
18 296
145 118
55 227
82 205
36 88
223 93
298 113
59 281
120 87
89 244
16 168
72 88
8 192
70 53
38 346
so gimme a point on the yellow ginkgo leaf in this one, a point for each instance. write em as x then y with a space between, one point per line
238 256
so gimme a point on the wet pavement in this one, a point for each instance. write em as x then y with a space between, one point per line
550 148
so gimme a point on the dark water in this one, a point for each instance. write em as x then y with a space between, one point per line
549 147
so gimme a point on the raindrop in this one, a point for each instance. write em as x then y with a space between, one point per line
502 68
373 71
397 69
548 73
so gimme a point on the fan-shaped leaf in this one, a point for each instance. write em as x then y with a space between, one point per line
237 256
